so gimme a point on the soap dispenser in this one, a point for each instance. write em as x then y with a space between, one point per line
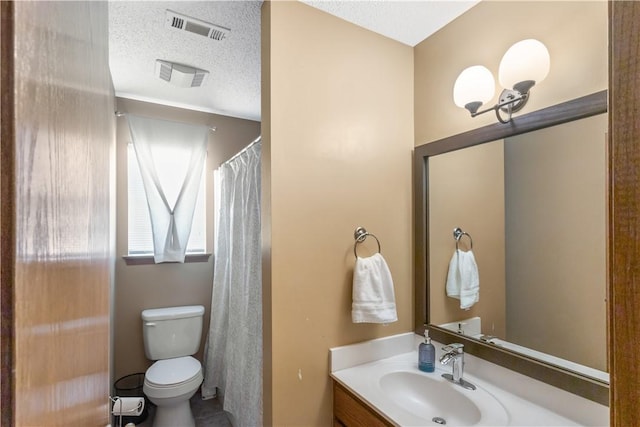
426 354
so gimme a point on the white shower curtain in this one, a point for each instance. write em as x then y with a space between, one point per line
233 352
164 150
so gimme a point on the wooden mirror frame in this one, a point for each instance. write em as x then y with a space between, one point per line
624 212
576 109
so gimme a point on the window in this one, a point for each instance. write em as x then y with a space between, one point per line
139 235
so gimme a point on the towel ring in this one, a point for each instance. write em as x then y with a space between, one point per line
360 235
457 235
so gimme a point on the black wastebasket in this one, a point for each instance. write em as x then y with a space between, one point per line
131 386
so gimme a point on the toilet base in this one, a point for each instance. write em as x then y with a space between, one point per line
175 415
173 408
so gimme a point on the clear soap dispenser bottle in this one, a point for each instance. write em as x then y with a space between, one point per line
426 354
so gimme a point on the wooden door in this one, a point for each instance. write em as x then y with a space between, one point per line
58 135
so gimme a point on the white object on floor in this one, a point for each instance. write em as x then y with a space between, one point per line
130 406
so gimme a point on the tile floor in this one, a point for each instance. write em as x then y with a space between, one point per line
208 413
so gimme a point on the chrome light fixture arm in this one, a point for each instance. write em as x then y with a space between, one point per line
511 100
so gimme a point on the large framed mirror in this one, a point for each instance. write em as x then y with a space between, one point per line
531 195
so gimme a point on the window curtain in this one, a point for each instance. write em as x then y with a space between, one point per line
171 158
233 351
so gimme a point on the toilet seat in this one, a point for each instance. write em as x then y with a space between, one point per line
172 372
173 377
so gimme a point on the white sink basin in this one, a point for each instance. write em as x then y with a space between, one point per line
433 398
384 374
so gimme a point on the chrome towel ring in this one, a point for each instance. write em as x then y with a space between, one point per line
360 235
457 235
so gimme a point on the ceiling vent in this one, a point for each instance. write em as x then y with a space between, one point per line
180 75
196 26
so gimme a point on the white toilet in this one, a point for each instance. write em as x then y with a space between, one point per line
171 336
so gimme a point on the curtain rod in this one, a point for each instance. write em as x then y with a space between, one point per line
254 142
121 114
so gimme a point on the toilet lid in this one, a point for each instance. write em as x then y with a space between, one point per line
173 371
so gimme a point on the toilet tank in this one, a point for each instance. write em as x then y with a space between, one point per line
172 331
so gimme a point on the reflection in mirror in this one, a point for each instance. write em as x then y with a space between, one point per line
556 246
535 207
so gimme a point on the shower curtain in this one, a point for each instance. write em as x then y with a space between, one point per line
233 352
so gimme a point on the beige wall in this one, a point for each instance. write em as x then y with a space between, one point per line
339 144
466 190
149 286
556 240
574 32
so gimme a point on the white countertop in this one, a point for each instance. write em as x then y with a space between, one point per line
527 402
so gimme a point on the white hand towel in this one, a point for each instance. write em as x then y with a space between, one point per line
453 277
463 280
470 285
373 296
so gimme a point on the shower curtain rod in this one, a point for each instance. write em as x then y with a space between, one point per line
121 114
255 141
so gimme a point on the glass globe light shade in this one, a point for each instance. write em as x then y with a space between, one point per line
527 60
474 84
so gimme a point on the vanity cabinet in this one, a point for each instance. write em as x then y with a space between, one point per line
350 411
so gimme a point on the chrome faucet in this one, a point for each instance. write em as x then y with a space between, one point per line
454 354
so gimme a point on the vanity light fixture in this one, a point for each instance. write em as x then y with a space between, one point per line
522 66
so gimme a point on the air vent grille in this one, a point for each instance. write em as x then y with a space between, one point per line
165 72
193 27
177 22
197 79
196 26
217 35
180 75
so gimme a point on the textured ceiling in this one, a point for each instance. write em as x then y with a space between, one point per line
138 36
408 22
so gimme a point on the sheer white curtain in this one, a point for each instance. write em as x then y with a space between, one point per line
233 352
171 158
